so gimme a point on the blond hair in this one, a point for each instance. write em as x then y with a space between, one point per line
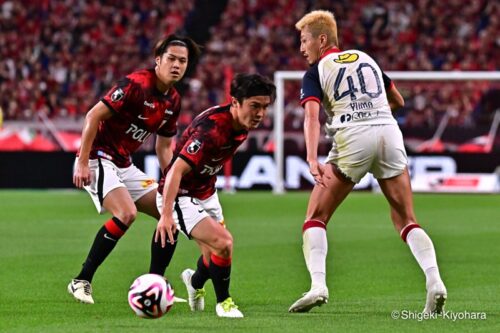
320 22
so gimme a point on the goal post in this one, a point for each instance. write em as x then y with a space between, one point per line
279 107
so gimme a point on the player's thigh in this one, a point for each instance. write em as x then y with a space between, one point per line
120 204
397 190
147 204
324 200
212 234
139 184
353 150
187 213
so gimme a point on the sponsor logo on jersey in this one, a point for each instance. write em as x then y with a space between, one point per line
149 104
194 147
117 95
347 117
207 169
361 105
346 58
138 133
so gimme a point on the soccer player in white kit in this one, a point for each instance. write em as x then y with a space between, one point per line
357 97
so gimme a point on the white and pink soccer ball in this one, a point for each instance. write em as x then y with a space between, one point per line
150 296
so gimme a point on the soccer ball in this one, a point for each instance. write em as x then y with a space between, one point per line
150 296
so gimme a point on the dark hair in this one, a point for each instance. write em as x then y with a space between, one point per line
249 85
177 40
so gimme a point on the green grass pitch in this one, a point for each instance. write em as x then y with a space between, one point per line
45 236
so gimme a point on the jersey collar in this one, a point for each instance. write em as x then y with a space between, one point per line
334 49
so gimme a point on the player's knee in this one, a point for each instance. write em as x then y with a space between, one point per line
224 246
127 216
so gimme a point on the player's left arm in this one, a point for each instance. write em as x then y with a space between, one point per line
394 97
165 136
166 226
163 148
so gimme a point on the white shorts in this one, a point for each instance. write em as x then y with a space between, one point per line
378 149
106 176
189 211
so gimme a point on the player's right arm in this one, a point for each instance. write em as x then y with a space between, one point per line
310 98
166 226
98 113
312 128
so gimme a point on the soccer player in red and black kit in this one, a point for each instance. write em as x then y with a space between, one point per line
190 202
143 103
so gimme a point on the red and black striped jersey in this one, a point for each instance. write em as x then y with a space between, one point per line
140 109
206 145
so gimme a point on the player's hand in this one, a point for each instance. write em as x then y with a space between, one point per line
317 170
165 228
81 176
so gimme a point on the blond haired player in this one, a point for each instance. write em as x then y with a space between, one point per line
358 98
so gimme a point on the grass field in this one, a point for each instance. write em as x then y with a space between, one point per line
45 236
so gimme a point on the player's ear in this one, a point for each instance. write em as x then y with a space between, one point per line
323 39
158 60
234 102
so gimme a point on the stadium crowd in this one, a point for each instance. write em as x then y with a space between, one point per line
59 57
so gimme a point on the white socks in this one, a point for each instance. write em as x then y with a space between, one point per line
423 250
315 248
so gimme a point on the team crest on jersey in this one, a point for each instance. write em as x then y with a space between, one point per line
347 58
194 147
117 95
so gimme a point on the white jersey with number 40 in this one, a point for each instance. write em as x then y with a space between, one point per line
351 87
